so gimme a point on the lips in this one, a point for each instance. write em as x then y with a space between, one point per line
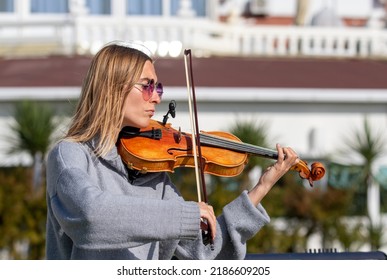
150 112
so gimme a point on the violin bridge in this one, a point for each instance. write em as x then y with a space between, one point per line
179 135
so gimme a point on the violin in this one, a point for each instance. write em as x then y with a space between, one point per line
159 147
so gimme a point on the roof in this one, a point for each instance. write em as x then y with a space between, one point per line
62 71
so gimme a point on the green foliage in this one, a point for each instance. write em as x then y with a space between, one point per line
369 145
254 133
273 240
32 133
22 215
375 236
350 236
33 128
22 189
303 212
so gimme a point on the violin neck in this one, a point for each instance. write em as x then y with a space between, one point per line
220 142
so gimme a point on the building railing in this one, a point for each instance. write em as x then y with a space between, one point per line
170 36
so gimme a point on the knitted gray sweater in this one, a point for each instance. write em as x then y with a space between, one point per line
95 212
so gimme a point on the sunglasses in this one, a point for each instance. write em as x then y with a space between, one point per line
148 89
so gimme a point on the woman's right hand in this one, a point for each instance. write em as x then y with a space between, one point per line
207 214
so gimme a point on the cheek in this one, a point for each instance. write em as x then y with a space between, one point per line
133 111
129 114
130 111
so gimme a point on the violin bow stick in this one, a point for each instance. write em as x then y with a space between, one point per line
198 182
199 168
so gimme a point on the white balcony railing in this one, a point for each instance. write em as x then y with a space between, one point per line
169 36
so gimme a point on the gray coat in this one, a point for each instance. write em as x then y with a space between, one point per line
96 212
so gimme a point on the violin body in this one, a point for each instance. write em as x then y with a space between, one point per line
174 149
162 148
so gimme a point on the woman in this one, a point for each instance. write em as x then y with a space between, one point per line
98 210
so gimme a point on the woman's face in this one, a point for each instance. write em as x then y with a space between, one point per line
137 111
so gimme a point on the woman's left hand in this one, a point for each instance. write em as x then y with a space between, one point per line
286 159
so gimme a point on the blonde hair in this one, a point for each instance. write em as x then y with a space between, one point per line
112 74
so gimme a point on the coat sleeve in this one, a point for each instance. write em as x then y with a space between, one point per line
240 221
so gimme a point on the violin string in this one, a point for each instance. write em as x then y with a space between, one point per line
221 142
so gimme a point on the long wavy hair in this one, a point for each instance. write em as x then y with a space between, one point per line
112 74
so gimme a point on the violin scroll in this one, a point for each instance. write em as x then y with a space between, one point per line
316 172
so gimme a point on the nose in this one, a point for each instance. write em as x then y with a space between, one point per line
155 97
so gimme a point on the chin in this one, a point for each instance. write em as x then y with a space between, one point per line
138 124
144 124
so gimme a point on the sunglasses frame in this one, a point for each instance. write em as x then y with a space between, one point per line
148 89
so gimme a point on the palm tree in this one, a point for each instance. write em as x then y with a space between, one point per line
369 145
33 129
255 133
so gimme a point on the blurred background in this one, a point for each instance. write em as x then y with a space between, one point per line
309 74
